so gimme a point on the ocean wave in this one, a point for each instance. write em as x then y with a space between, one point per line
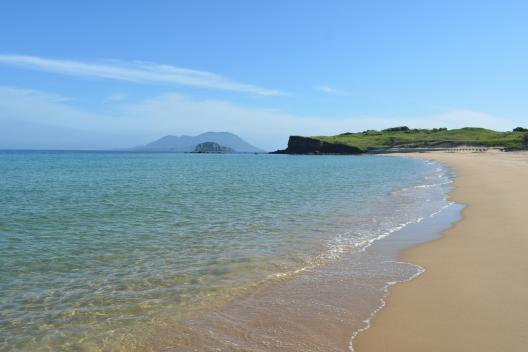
431 185
362 239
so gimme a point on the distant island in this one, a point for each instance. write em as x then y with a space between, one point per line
212 147
189 144
402 139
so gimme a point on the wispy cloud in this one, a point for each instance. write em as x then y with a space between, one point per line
116 97
136 71
330 90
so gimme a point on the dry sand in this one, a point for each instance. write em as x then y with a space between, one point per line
474 294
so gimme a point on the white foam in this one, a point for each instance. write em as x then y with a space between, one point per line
383 303
420 270
441 209
431 185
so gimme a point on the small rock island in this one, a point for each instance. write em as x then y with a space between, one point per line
212 147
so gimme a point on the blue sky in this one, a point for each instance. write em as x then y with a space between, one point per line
110 75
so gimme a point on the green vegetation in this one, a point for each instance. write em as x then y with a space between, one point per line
437 137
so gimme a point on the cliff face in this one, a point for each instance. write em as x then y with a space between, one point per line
306 145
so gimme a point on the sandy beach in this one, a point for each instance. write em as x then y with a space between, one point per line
473 296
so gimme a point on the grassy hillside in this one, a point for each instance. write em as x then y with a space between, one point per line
405 137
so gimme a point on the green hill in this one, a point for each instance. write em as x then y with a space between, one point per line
404 137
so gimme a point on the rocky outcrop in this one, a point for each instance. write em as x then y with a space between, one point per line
212 147
307 145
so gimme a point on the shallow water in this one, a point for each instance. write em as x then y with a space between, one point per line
322 309
144 251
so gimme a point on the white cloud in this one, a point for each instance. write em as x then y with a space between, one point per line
136 71
136 123
330 90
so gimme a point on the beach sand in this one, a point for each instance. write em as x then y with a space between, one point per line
474 294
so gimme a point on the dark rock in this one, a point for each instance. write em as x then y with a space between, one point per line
212 147
307 145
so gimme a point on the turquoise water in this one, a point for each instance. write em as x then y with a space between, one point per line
94 246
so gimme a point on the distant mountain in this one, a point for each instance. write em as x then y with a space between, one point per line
183 144
212 147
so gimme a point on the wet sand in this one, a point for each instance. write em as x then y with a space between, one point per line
474 294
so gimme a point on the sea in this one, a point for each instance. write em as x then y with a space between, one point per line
119 251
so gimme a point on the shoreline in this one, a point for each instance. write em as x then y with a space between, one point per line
474 277
277 314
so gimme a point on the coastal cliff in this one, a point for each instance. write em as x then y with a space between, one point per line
404 139
307 145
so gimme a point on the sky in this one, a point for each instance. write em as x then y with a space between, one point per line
100 74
